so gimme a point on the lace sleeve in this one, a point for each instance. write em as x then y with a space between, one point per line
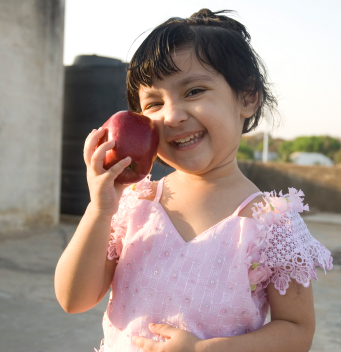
119 223
284 248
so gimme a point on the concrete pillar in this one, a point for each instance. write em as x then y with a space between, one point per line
31 103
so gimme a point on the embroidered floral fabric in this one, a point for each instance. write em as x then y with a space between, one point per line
214 285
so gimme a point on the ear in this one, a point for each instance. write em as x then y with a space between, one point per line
250 103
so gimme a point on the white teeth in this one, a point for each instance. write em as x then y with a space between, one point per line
184 142
187 139
189 143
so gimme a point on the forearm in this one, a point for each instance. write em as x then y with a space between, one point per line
80 272
276 336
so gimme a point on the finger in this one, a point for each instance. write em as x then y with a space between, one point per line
115 170
90 134
98 156
90 144
162 329
147 345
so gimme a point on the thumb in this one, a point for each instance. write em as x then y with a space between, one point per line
162 329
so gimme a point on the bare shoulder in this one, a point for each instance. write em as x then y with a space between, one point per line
247 211
153 188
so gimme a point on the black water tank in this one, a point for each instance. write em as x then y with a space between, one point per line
94 90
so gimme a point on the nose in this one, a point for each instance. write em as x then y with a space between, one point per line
174 114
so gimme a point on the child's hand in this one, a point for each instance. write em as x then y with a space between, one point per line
104 192
178 340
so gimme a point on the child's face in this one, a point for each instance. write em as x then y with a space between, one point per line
198 103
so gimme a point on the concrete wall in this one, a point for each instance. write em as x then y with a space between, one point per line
321 184
31 99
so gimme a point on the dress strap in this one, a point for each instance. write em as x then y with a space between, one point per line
159 190
246 202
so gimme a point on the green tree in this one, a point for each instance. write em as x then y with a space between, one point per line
284 151
330 146
245 152
337 157
315 144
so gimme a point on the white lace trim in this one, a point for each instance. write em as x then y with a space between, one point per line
284 244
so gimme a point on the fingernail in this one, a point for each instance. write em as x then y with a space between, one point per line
152 325
128 157
100 128
93 130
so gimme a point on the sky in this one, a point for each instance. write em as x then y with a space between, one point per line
299 41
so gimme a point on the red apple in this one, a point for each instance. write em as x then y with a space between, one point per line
135 136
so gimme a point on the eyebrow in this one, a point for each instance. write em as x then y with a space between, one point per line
181 83
194 78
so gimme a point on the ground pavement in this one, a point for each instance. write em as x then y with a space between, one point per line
31 320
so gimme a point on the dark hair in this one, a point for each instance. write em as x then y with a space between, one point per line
219 41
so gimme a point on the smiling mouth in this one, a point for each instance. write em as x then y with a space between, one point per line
185 142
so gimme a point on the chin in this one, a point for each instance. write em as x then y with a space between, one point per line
194 168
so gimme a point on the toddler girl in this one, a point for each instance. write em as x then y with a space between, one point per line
195 260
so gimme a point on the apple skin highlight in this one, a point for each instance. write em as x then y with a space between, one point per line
135 136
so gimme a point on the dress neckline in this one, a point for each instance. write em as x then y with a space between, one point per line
233 215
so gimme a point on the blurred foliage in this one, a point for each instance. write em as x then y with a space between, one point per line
271 145
245 152
337 157
256 142
316 144
259 146
326 145
284 151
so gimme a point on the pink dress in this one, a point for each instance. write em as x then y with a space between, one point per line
212 286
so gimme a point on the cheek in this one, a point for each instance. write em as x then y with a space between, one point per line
227 136
227 128
163 150
161 134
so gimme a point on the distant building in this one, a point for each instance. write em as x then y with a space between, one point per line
301 158
258 155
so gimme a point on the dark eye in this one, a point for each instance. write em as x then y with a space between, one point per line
195 91
150 106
